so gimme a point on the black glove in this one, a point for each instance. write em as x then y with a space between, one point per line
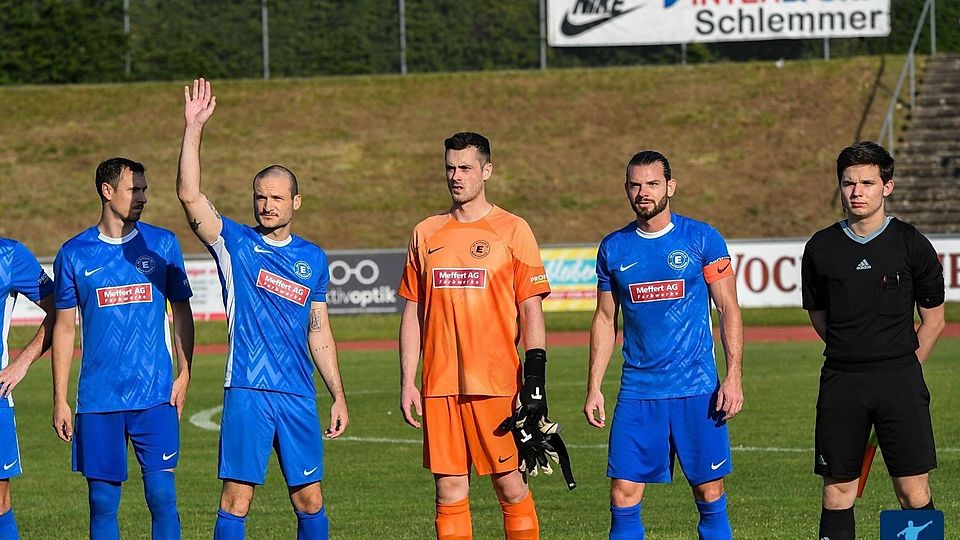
533 394
537 444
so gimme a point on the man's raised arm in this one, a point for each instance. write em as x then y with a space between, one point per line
198 107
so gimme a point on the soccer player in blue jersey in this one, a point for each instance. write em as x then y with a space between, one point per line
274 290
20 274
120 274
661 271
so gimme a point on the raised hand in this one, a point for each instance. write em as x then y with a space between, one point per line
199 104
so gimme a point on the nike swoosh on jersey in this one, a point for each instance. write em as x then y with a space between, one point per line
167 457
311 471
429 250
570 29
627 267
259 249
89 273
715 466
8 466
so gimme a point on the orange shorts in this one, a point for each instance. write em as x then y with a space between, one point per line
462 430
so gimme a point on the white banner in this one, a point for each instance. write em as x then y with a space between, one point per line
598 23
768 275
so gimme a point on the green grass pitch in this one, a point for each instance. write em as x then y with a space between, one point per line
379 490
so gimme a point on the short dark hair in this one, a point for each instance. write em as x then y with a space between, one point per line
109 171
866 153
278 170
461 140
649 157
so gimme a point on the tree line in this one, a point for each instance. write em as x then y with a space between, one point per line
76 41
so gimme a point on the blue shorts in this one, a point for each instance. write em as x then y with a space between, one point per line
100 441
648 433
254 421
9 446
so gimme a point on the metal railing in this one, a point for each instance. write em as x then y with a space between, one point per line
909 68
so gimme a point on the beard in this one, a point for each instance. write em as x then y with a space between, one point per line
644 213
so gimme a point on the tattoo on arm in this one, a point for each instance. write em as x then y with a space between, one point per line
316 320
195 225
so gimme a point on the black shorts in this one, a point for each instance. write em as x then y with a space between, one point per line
895 402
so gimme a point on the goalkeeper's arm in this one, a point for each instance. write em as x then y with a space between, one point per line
533 395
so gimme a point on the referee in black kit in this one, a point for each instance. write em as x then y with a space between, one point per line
862 277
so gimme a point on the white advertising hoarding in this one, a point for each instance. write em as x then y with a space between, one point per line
598 23
768 275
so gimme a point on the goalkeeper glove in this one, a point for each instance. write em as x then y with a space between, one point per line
533 394
537 444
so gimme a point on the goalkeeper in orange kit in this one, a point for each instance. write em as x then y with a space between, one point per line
474 283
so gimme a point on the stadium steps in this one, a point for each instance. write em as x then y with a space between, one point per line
927 193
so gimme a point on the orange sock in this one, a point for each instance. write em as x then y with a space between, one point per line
520 519
453 521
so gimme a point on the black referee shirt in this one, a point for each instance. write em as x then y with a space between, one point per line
868 286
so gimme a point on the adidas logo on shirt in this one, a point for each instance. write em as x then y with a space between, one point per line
864 265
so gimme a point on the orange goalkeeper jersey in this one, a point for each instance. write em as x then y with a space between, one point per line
469 279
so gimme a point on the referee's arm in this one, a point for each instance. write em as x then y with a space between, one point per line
818 318
931 324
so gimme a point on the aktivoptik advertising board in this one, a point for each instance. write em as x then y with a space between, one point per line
597 23
767 273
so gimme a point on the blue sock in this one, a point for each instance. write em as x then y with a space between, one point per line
8 526
625 523
161 495
104 499
229 526
313 526
714 523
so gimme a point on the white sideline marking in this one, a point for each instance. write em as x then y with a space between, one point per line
203 420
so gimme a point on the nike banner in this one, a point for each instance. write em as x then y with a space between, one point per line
599 23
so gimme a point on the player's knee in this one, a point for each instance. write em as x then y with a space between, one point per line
709 492
451 489
104 497
235 504
160 491
914 500
510 488
307 503
4 496
624 494
839 495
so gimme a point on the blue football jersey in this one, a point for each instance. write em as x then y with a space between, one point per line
121 287
659 281
267 290
20 273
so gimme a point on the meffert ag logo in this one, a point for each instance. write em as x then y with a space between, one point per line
589 14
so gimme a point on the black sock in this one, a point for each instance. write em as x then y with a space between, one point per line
837 524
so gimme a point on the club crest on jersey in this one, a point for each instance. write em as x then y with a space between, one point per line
302 270
678 259
479 249
283 287
145 264
654 291
125 294
459 278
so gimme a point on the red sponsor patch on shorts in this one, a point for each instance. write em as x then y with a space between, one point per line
459 278
125 294
283 287
653 291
